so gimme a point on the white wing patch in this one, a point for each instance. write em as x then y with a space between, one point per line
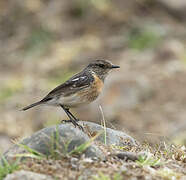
76 79
80 78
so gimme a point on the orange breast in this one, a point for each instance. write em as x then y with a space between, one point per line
98 84
92 92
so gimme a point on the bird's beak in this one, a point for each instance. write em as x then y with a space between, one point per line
115 66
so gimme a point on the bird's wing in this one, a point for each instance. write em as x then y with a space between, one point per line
71 86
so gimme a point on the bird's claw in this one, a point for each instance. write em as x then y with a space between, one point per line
65 121
74 122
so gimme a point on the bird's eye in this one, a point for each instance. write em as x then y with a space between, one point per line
101 65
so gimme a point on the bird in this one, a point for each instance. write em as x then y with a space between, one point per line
81 89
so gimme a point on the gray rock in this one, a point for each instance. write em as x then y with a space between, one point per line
127 156
45 141
68 138
113 137
27 175
133 156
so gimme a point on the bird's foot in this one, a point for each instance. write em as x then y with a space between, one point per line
65 121
80 127
74 122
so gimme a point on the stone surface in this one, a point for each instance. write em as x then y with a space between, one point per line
114 137
27 175
127 156
44 141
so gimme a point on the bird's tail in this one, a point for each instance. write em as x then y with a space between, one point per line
31 105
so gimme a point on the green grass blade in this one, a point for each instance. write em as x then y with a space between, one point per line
32 151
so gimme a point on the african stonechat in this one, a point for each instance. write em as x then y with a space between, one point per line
82 88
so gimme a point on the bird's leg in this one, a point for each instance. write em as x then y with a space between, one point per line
71 117
67 109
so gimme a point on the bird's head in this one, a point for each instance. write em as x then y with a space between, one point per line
101 68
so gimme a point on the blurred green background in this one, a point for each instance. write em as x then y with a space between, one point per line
43 43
